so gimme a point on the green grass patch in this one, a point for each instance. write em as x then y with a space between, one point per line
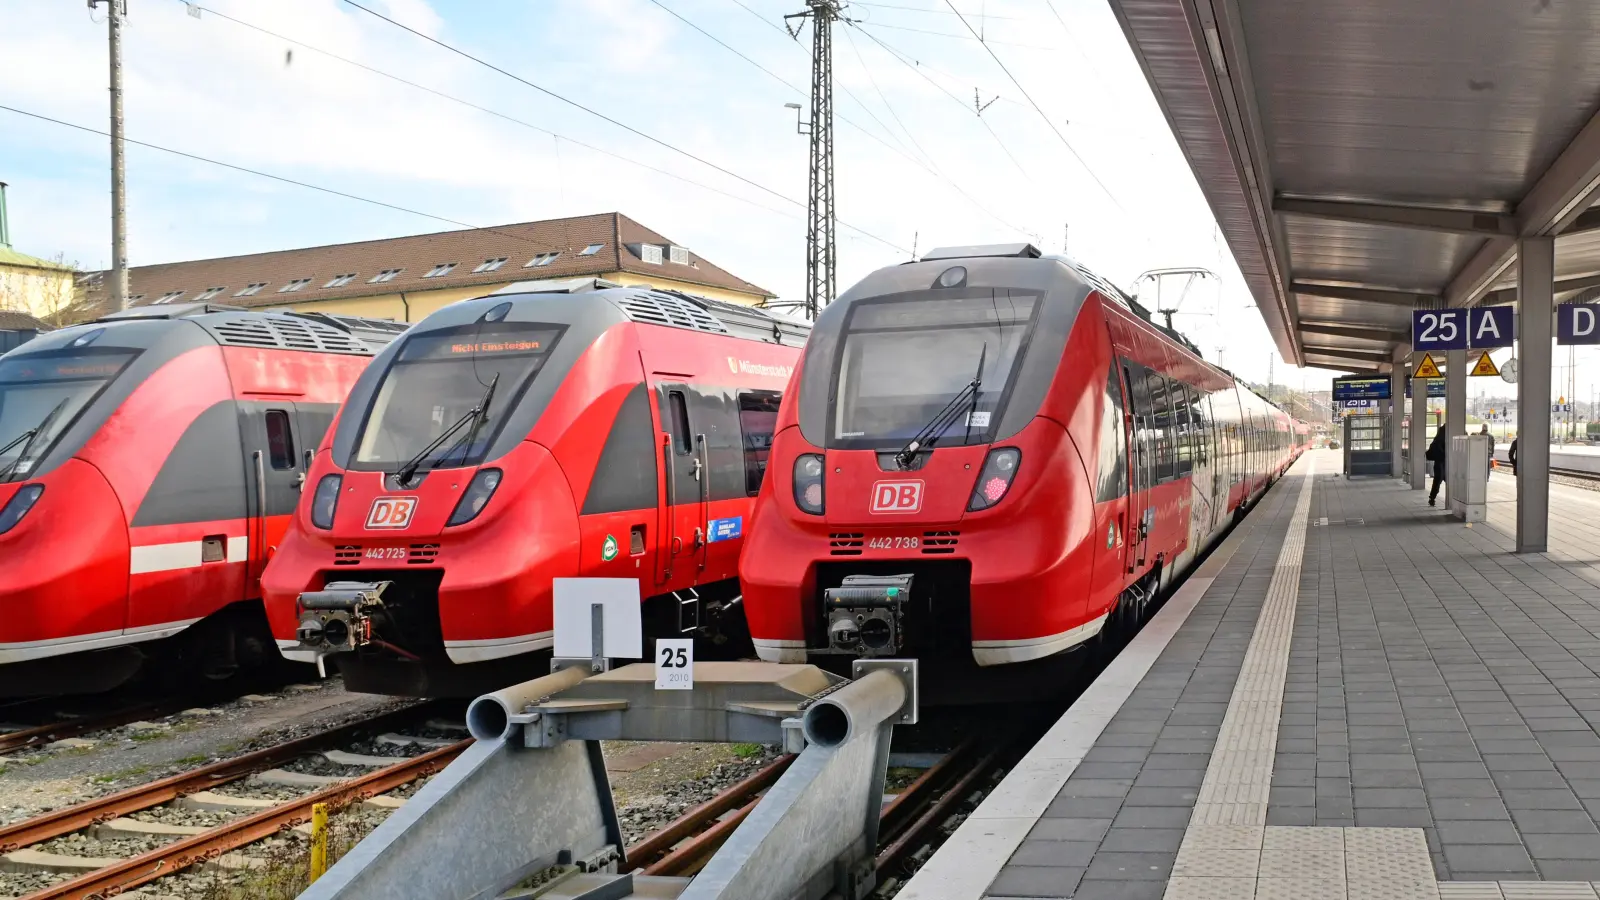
134 772
746 751
192 760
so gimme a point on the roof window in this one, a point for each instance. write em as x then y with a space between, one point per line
208 293
340 280
169 296
439 270
294 285
385 275
489 265
650 253
251 289
678 255
541 260
592 249
135 298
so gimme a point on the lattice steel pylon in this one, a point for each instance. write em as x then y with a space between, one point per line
821 223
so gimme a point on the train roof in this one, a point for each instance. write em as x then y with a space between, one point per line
675 309
279 329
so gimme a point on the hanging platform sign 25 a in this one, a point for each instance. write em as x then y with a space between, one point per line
1461 329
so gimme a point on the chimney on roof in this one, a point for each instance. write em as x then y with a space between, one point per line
5 224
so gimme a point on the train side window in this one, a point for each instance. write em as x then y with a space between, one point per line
1113 471
1183 428
280 439
679 410
758 416
1163 427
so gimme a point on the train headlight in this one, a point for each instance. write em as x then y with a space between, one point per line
476 497
994 479
325 501
20 503
808 494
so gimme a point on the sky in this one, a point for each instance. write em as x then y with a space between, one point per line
674 113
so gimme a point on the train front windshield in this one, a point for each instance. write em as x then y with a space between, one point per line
42 393
437 379
904 358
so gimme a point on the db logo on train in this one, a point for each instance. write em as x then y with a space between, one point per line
391 512
897 496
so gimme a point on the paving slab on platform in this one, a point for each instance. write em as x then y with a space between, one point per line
1358 696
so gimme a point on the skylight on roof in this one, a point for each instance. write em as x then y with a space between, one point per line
294 285
489 265
169 296
592 249
208 293
678 255
251 289
440 269
340 280
385 275
542 260
650 253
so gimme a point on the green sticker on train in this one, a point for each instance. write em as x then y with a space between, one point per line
608 550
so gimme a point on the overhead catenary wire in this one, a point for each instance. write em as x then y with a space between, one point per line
924 166
1047 120
600 115
279 178
493 112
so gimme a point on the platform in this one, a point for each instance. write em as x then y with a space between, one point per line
1355 696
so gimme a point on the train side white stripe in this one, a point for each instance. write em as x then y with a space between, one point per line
994 653
78 643
483 649
180 555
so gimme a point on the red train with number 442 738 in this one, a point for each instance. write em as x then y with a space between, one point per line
986 459
506 441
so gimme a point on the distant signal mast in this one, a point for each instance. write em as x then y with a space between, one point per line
821 219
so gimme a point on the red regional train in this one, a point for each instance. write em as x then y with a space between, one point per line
149 462
986 459
514 439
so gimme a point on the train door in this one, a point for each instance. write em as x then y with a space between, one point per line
1141 462
681 544
275 443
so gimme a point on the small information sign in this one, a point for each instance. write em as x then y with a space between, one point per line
675 664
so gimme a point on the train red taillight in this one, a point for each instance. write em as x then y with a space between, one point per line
326 501
22 501
994 479
808 492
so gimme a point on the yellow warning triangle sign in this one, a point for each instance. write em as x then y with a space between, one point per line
1485 366
1427 368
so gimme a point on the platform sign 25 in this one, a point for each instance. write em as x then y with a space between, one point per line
1458 329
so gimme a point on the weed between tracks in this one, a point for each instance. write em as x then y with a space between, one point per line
283 863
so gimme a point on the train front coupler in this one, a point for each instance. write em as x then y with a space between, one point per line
338 618
866 615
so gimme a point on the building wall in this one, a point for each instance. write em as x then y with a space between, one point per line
41 293
422 303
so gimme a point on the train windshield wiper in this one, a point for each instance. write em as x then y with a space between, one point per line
27 439
944 418
475 417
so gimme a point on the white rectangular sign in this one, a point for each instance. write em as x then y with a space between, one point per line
622 632
674 664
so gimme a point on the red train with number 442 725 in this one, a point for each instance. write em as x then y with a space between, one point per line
537 433
986 459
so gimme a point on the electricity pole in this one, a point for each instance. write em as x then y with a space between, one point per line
821 253
119 210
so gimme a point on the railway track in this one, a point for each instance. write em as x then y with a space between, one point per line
253 819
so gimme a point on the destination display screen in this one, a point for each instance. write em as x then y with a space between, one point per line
1360 389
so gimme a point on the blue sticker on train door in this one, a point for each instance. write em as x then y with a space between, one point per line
726 529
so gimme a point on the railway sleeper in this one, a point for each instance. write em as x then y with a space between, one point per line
469 831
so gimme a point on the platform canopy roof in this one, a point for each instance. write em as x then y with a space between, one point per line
1363 157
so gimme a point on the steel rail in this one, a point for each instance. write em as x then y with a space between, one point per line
692 855
175 857
917 831
655 847
56 731
82 815
898 811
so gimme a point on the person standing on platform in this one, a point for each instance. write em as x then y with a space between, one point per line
1511 454
1486 434
1436 453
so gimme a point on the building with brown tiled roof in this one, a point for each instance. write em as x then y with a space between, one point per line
406 278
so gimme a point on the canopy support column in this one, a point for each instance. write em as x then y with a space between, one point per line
1536 297
1455 396
1397 415
1418 442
